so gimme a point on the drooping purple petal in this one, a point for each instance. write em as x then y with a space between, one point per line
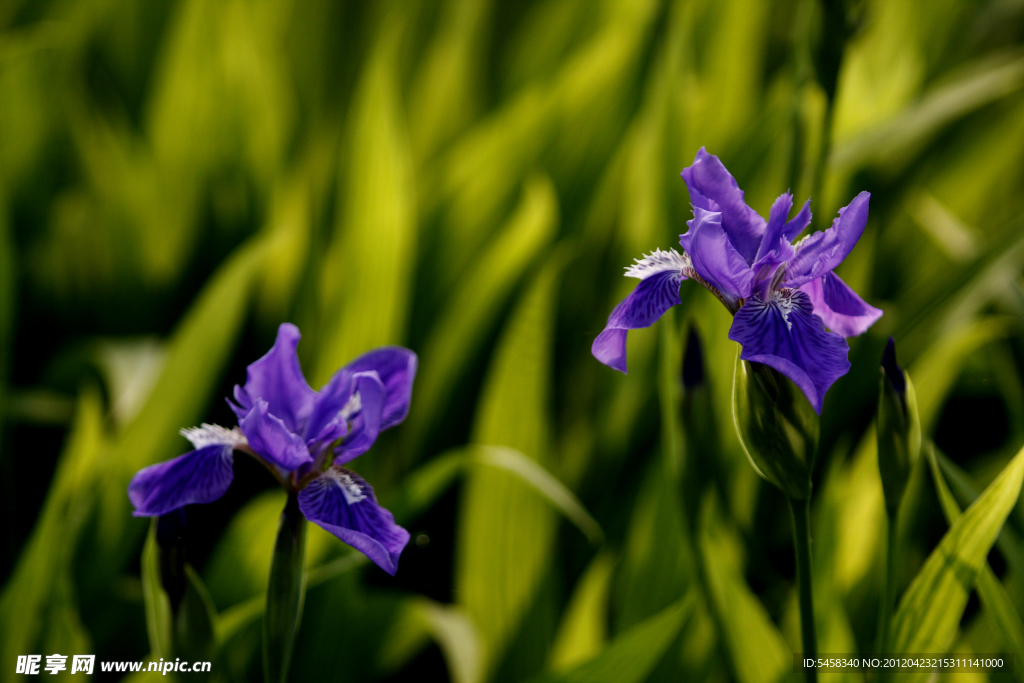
609 347
277 379
366 417
785 334
342 503
839 307
660 275
396 368
199 476
713 188
821 252
271 439
714 257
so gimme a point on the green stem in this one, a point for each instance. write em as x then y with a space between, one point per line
888 589
286 592
802 540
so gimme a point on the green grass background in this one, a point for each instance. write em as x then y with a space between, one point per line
468 178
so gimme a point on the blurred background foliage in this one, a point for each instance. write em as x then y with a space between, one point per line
468 178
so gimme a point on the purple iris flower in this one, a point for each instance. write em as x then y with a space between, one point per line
783 295
303 437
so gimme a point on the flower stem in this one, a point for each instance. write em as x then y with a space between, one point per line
286 592
888 589
802 540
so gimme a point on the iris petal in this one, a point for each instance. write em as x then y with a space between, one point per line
799 222
342 503
277 379
327 421
776 222
366 425
271 439
713 188
821 252
840 308
199 476
785 334
661 274
714 257
396 368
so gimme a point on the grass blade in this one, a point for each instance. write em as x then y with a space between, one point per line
634 653
929 612
994 597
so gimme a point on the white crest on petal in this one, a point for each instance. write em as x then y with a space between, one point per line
658 261
784 300
350 488
351 407
210 435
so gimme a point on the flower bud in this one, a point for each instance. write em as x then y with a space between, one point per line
776 425
899 428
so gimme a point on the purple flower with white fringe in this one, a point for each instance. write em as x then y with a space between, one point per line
782 294
304 438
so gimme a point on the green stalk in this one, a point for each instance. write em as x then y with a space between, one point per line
286 591
802 540
888 589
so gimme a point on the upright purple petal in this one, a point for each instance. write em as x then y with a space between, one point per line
775 248
779 232
342 503
821 252
776 222
277 379
271 439
714 257
713 188
660 275
199 476
332 410
365 419
799 222
839 307
396 368
785 334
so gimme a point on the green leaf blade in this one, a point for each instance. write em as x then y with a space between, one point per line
930 610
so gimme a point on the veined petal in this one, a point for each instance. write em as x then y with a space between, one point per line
366 417
713 188
342 503
714 257
785 334
277 379
821 252
396 368
199 476
271 439
660 275
839 307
